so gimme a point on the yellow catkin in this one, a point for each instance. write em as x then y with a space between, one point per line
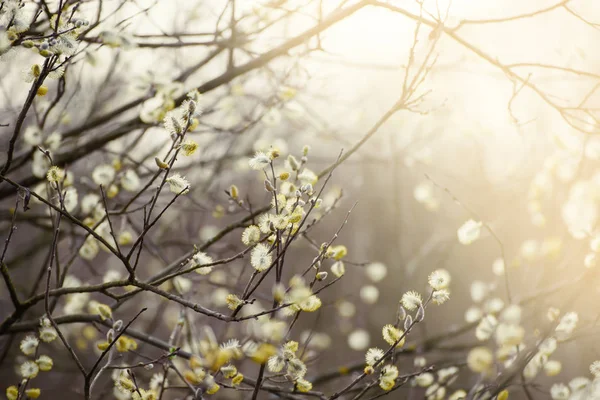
33 393
503 395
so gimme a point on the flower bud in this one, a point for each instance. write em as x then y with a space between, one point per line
401 313
407 322
420 315
269 186
118 325
321 276
160 164
293 163
233 192
191 107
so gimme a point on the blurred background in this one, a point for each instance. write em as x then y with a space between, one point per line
505 133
